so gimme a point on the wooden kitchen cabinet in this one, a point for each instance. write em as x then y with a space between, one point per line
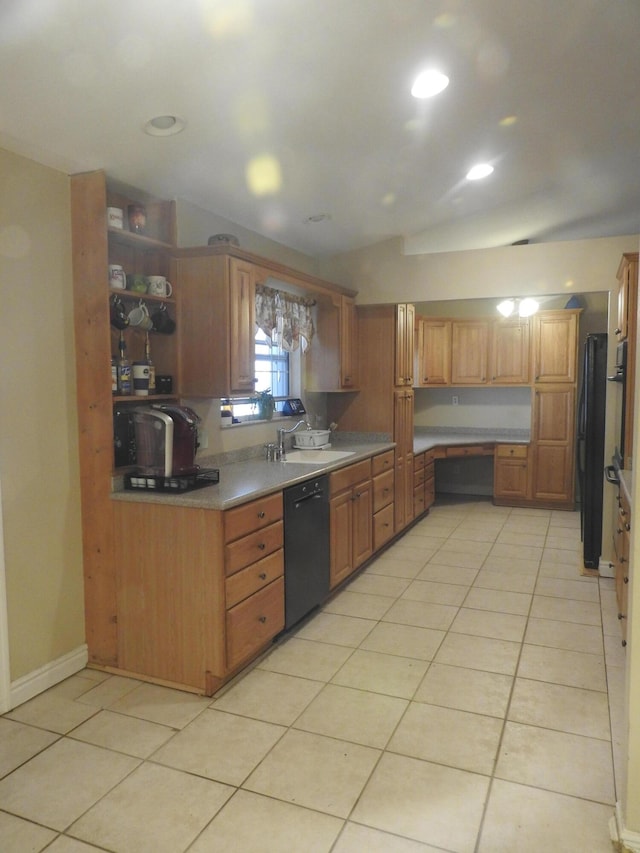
555 344
510 346
350 519
510 473
429 479
621 541
332 359
553 445
469 352
404 339
627 294
382 470
433 356
403 436
254 567
381 405
94 247
218 324
169 574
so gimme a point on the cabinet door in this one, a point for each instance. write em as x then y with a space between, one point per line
348 343
627 297
403 436
242 280
405 321
555 346
341 527
362 508
469 352
510 472
433 363
553 446
510 352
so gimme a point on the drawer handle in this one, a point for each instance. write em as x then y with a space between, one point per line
262 619
261 546
626 580
261 514
262 576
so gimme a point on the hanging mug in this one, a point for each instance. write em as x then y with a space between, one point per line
119 318
139 317
162 322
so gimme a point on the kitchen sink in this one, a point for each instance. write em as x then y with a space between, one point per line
317 457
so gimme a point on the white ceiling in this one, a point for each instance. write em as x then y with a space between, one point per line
322 87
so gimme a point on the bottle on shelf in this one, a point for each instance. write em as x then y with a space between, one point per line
124 369
152 369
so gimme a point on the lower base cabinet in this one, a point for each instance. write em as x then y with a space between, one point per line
382 469
350 520
622 528
511 472
251 624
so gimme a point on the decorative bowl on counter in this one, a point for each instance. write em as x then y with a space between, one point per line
311 437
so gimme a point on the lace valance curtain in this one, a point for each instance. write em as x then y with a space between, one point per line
284 318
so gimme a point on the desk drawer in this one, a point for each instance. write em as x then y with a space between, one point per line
512 451
470 450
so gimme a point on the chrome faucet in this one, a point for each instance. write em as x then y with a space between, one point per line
281 434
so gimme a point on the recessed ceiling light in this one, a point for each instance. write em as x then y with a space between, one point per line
429 83
164 126
479 171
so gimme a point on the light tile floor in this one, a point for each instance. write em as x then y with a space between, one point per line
453 697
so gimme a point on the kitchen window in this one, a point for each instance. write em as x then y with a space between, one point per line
272 373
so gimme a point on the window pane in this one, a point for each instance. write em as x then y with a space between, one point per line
271 367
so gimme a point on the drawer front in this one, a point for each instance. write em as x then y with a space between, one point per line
418 461
383 526
347 477
382 490
382 462
470 450
252 516
418 477
418 501
253 547
253 622
429 456
512 451
256 576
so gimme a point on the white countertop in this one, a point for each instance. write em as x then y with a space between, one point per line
426 438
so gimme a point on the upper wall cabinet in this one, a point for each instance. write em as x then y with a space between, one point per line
433 352
218 324
469 352
510 343
627 293
332 358
405 336
555 336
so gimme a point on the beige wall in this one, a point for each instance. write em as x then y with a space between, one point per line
38 429
382 273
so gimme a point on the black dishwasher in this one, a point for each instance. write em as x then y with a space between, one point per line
306 547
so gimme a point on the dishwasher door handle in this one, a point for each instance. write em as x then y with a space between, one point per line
315 496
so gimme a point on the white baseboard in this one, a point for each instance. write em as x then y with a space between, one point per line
46 676
627 841
606 569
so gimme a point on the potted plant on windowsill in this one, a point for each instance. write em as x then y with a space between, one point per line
265 403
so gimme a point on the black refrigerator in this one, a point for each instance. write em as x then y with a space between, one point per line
590 445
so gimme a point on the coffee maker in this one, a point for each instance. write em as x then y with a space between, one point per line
166 440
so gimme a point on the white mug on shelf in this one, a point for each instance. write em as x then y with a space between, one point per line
117 277
159 286
115 217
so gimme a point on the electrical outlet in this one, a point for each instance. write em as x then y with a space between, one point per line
455 400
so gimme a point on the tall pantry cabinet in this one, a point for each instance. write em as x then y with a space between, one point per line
386 398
